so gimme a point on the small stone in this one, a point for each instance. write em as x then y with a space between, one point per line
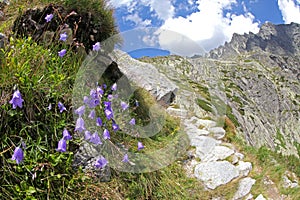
237 157
244 168
244 188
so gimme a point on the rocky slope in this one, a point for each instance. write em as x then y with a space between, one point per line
254 80
261 73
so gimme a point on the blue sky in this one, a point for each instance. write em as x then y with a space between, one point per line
188 27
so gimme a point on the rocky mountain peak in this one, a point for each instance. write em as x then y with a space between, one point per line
283 39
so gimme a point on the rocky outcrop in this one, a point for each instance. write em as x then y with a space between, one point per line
146 76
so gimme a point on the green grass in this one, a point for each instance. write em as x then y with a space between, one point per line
42 78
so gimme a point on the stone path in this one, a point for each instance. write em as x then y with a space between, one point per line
212 161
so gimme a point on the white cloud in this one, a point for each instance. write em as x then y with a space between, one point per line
118 3
137 20
209 27
290 10
163 8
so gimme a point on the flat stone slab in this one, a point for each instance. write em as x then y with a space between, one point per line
218 153
214 174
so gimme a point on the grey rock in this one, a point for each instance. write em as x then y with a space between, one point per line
204 145
244 188
244 168
218 153
217 132
214 174
177 112
206 124
194 133
146 76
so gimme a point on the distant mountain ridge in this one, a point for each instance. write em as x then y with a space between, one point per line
282 39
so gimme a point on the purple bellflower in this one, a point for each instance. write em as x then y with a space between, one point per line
80 111
61 107
95 139
114 87
96 46
99 121
115 127
124 105
63 36
49 17
87 135
106 134
18 155
62 145
16 100
79 125
132 122
62 53
92 114
101 162
109 114
140 146
125 158
66 135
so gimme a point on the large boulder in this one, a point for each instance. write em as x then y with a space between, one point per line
146 76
